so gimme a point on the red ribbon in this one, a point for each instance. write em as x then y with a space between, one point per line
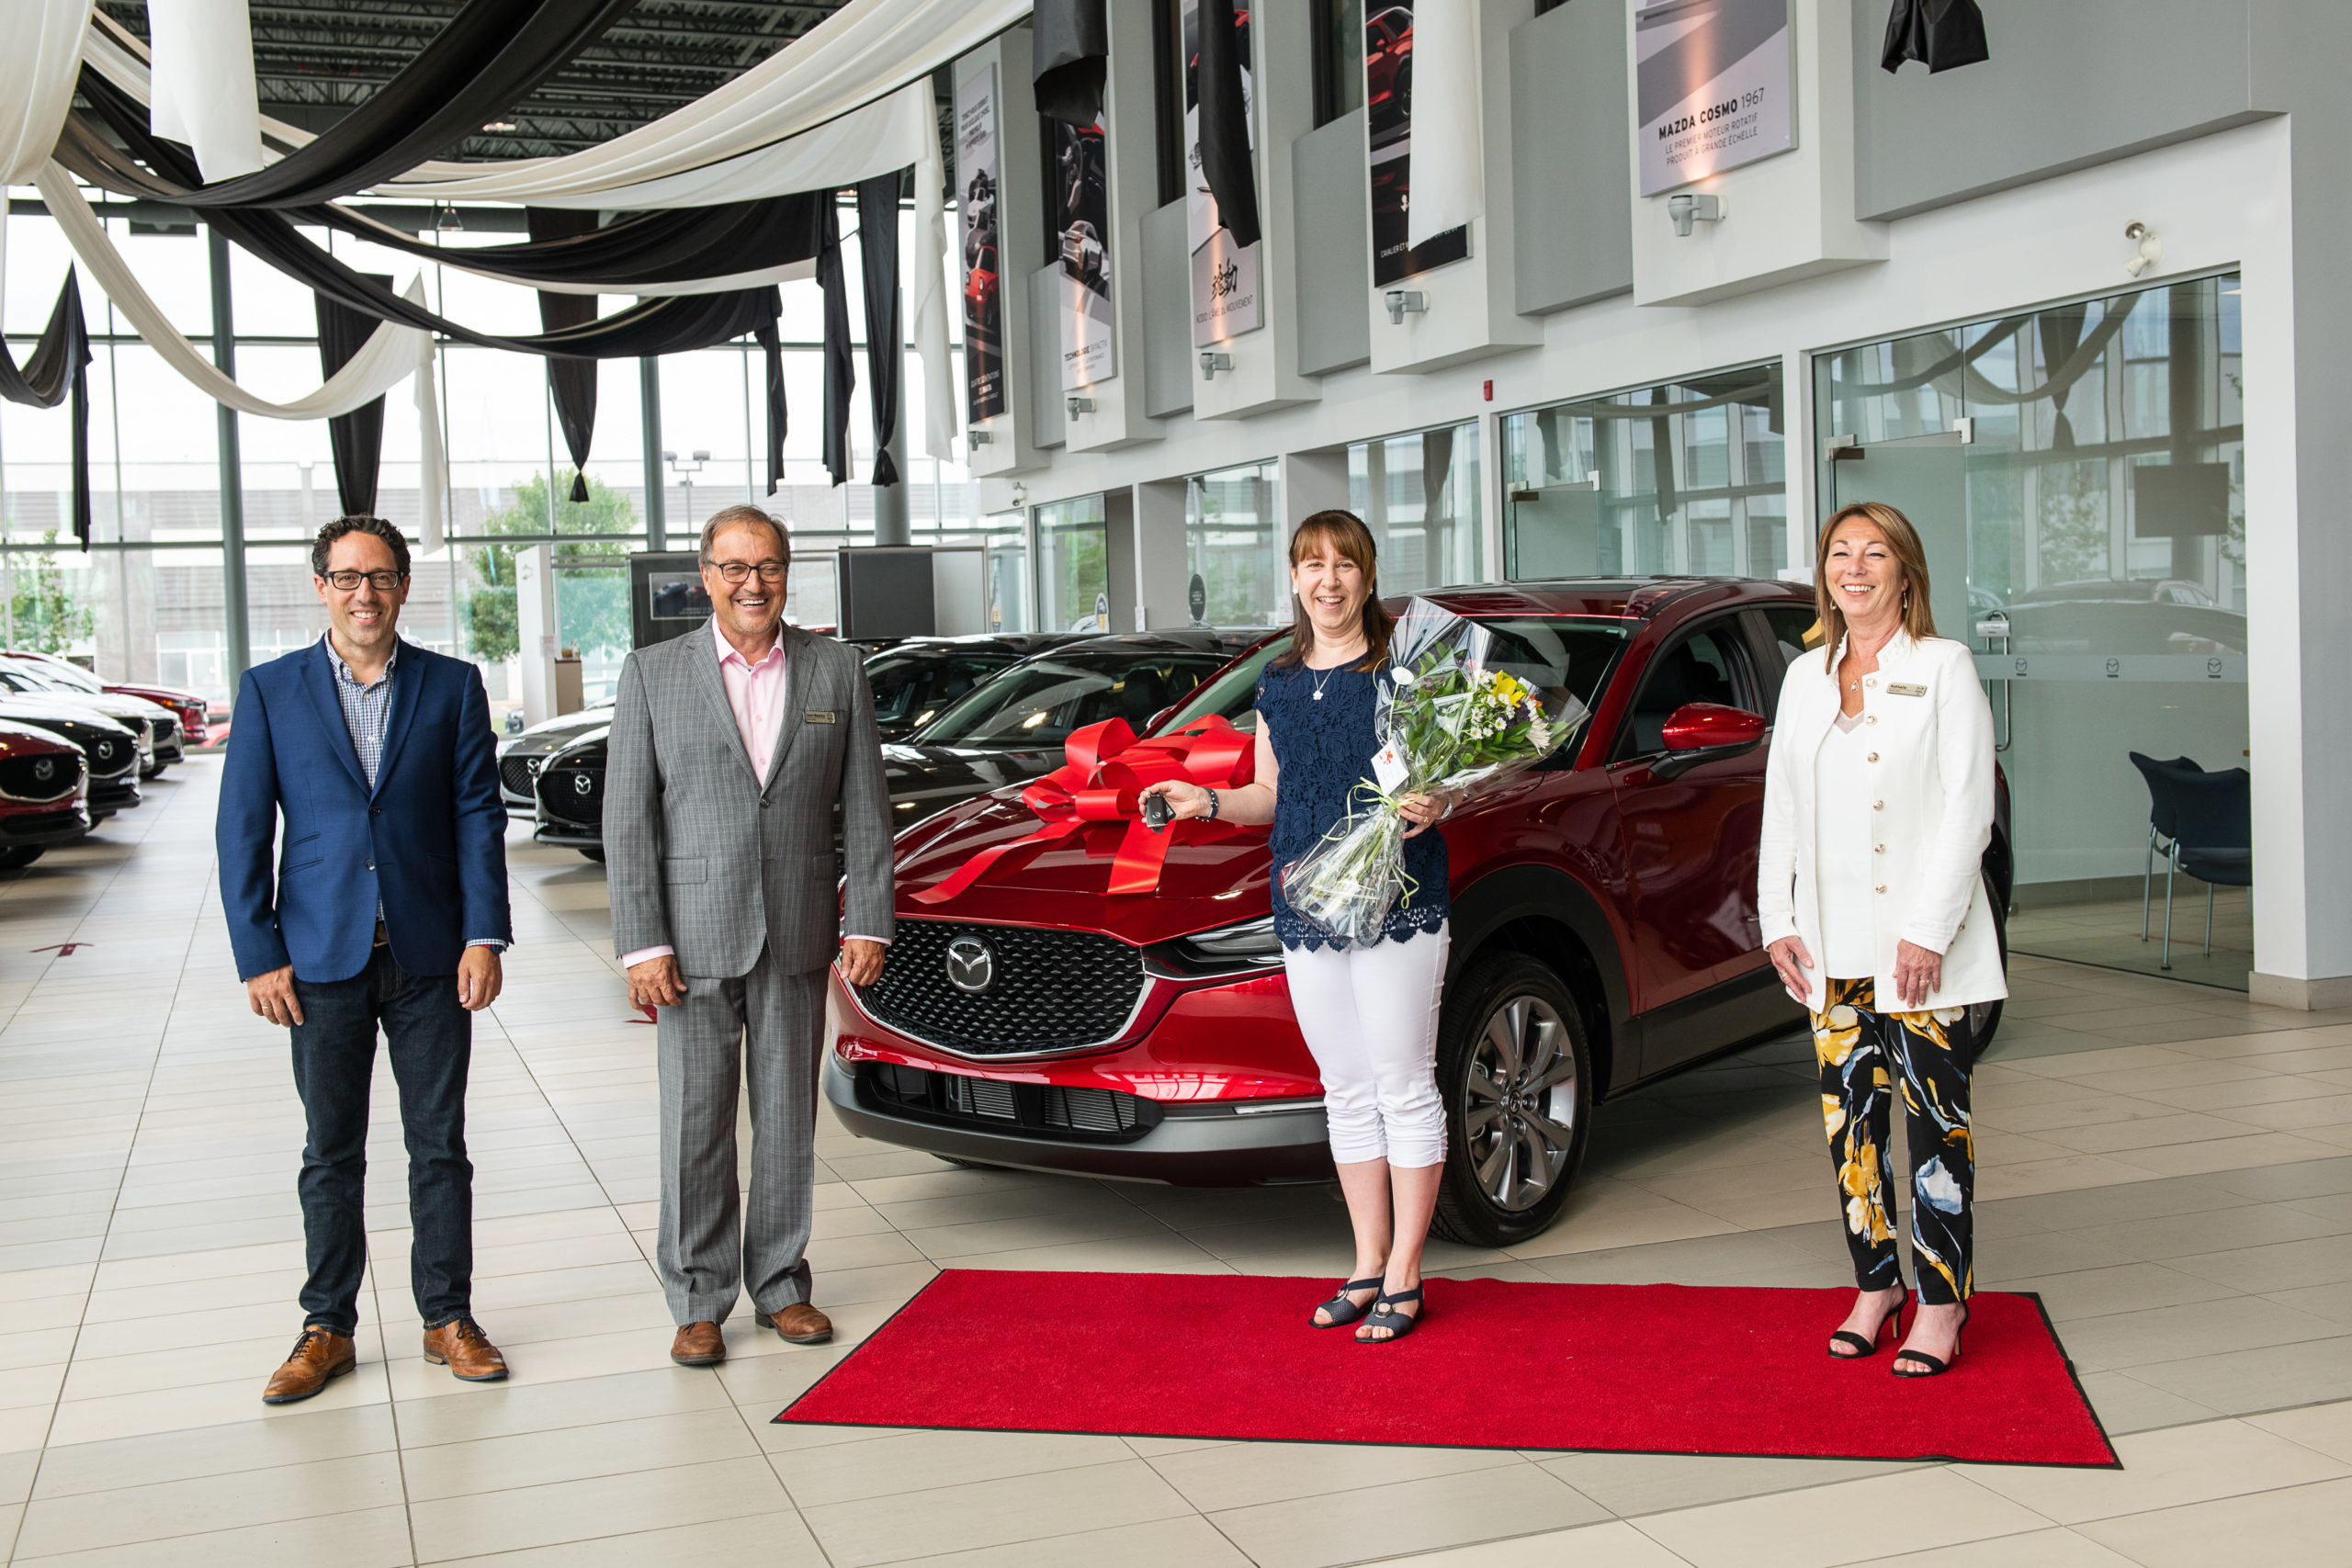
1097 794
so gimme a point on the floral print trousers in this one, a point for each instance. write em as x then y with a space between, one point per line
1861 1053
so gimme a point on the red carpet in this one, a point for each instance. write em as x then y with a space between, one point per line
1640 1369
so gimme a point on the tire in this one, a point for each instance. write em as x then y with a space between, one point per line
1985 1018
596 852
1506 1180
16 857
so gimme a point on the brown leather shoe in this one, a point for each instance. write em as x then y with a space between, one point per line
319 1357
462 1346
800 1323
699 1345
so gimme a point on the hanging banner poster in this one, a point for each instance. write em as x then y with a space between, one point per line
1082 198
1388 126
1225 275
976 175
1712 87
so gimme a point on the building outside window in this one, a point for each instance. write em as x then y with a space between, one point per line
2076 474
1074 565
1688 478
1235 544
1420 496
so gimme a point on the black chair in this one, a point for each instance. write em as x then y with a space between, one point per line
2212 838
2160 820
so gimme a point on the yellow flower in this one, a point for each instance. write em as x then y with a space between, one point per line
1859 1176
1835 1034
1833 1114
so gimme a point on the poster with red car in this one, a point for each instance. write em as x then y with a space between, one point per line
1388 123
975 176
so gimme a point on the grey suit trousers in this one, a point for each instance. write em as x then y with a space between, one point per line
760 1030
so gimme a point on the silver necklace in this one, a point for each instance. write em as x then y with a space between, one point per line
1323 675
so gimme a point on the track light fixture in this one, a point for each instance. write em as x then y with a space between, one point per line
1212 362
1402 302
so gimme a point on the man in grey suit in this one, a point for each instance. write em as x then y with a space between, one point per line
730 746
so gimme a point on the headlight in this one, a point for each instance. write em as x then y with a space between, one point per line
1226 950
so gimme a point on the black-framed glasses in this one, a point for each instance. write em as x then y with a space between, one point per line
736 571
382 581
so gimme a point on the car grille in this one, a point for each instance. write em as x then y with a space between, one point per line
1046 991
516 775
167 729
111 755
38 823
574 795
1053 1109
51 775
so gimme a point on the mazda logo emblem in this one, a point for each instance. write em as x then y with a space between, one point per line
44 769
106 750
581 783
972 964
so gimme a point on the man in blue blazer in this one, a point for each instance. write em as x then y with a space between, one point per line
387 908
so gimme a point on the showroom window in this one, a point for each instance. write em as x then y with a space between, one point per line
1074 565
1420 494
2076 475
1685 478
1339 59
1235 543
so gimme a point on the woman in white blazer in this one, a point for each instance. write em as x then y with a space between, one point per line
1877 805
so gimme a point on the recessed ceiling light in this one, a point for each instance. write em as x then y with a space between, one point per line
500 125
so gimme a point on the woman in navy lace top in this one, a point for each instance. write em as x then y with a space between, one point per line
1369 1014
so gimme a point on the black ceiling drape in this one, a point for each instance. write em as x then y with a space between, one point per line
1225 122
356 438
487 58
654 327
771 354
572 381
1069 44
840 374
1942 34
877 250
58 371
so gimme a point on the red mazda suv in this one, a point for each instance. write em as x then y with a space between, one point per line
1605 933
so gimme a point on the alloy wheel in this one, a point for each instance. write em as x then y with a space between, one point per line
1521 1118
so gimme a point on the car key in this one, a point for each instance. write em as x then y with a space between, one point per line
1157 812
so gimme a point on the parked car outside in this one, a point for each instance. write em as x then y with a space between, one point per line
188 707
1006 730
521 755
44 785
110 754
157 730
1604 934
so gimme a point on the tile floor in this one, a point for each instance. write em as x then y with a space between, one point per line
2170 1166
2107 932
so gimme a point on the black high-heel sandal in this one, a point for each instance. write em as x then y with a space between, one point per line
1398 1324
1865 1349
1344 1309
1934 1365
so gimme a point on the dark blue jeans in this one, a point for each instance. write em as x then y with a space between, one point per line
430 1039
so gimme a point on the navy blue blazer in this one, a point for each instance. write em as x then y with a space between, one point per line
429 840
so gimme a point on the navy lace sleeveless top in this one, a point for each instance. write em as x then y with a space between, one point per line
1324 749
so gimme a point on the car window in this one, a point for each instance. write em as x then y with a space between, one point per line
1037 704
911 688
1705 665
1789 622
1233 695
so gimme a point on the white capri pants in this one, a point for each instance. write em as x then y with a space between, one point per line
1370 1017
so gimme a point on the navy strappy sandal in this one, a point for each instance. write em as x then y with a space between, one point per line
1344 1309
1398 1324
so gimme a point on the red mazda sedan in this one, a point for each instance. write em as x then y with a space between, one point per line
1605 933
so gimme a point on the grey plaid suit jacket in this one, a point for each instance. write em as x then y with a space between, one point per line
703 860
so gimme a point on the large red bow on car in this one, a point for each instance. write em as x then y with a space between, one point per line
1096 793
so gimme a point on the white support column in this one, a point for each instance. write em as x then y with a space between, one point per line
1313 483
534 629
1163 573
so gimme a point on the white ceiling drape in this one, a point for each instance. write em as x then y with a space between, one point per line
40 52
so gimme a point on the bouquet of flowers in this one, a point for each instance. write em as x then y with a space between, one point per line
1448 723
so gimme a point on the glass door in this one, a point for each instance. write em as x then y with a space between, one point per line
2076 476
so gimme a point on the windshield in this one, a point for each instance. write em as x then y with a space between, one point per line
1036 705
17 681
57 677
911 686
1542 651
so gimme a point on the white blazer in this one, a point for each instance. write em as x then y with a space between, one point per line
1929 734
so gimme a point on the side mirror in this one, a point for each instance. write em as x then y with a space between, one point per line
1704 732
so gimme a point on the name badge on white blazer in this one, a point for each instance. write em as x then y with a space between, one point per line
1904 689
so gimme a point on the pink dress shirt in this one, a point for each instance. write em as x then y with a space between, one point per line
755 692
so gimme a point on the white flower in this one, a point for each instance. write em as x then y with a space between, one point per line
1937 1189
1402 676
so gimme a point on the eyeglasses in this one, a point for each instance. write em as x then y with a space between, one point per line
736 571
382 581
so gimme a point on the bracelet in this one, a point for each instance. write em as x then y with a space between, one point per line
1212 794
